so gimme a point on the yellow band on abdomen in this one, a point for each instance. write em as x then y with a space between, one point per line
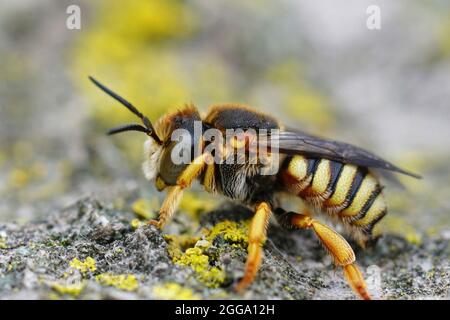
342 186
376 210
367 187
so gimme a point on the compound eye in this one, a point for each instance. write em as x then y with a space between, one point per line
169 171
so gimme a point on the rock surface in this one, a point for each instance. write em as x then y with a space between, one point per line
92 251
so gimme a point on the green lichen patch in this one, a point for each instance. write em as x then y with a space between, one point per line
136 223
3 244
145 209
235 233
195 205
73 289
205 266
88 265
212 276
127 282
195 253
174 291
177 244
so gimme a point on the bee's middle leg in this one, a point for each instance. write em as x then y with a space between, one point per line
175 193
256 239
336 245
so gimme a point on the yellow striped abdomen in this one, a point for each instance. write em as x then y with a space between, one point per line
345 191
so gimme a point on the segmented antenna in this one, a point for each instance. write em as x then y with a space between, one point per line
127 127
133 127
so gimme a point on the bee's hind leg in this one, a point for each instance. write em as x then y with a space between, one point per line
175 193
335 244
256 239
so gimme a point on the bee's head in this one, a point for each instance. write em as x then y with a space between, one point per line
159 159
158 148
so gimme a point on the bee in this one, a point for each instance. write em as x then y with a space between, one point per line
334 178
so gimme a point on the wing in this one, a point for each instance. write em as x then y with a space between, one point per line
297 142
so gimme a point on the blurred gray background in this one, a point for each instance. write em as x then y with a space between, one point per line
314 64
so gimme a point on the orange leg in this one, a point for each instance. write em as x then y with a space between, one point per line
169 206
338 248
256 238
175 193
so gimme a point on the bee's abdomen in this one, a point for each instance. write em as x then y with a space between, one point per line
345 191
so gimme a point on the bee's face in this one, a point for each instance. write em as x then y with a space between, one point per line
152 154
158 157
158 162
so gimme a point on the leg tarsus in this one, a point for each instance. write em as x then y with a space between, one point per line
252 265
338 248
256 238
356 280
155 223
168 207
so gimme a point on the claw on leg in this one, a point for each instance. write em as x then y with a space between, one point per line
356 280
338 248
256 238
168 207
154 222
251 267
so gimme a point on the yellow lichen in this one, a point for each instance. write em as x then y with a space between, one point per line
88 265
127 282
145 209
185 251
231 231
18 178
178 243
38 170
443 37
123 53
136 223
22 176
3 244
174 291
53 296
72 289
196 259
120 55
414 238
299 98
199 262
195 205
398 225
2 158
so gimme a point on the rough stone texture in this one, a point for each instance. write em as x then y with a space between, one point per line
385 90
35 256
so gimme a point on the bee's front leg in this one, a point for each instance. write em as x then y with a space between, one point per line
336 245
169 206
175 193
256 238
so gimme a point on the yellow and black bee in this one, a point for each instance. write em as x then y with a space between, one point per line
331 177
